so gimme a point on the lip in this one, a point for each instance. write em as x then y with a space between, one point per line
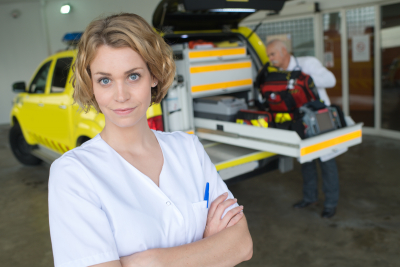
123 111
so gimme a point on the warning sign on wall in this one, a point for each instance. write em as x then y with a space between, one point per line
361 48
329 59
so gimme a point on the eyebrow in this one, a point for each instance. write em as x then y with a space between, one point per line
126 72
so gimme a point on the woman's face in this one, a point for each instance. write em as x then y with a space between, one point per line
121 85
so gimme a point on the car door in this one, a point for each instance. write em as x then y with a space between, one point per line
33 101
57 106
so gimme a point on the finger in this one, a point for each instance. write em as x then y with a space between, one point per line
215 204
223 206
235 219
230 214
215 224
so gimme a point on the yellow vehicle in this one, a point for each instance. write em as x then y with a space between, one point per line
214 57
46 123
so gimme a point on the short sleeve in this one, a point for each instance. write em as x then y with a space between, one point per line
217 185
322 77
80 231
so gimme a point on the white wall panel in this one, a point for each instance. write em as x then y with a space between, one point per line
22 48
83 12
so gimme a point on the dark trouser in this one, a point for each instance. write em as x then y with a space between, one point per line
330 182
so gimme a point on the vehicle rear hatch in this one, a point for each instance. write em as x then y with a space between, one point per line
192 15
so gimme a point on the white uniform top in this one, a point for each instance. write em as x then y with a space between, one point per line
323 78
102 208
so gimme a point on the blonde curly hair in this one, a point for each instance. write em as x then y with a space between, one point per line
122 30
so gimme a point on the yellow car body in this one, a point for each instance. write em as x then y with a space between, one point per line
51 119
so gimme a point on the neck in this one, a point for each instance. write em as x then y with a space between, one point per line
136 137
286 62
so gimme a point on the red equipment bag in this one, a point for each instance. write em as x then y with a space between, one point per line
286 91
194 44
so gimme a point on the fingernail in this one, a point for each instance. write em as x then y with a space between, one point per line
235 199
242 206
240 212
225 193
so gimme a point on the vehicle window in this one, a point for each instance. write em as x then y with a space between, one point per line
38 84
60 74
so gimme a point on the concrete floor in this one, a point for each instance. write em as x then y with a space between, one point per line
365 232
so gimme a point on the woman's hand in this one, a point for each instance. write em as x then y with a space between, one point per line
214 222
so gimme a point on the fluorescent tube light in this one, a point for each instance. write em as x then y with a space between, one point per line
249 10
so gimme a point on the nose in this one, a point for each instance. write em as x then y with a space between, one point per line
271 57
121 92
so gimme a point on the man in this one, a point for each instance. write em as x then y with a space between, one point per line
280 57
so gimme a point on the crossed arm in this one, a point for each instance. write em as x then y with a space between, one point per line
226 242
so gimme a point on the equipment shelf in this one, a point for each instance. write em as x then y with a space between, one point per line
282 142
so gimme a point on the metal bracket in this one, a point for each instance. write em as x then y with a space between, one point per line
285 164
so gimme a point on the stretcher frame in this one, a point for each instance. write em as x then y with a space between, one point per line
282 142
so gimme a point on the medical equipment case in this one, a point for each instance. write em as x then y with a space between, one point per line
222 108
320 121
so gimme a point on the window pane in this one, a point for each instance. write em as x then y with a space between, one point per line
38 84
60 75
333 54
390 36
360 27
299 32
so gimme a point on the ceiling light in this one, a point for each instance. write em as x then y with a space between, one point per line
250 10
65 9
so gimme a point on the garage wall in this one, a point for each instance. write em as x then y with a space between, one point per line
21 49
83 12
23 42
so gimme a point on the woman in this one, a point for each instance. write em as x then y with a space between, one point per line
132 196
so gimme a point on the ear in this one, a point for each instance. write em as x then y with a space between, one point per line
154 81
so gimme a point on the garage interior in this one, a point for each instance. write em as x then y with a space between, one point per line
366 228
364 232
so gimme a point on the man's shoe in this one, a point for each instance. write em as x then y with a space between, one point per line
328 212
303 204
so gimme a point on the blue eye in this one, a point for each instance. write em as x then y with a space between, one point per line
104 81
134 76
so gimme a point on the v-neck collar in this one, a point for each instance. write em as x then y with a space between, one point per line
124 160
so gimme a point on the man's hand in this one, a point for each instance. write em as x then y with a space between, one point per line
214 222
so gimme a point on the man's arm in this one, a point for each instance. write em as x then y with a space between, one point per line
226 248
323 78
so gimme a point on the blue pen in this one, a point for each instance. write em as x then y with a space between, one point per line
207 193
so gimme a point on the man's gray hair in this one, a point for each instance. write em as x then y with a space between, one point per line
279 43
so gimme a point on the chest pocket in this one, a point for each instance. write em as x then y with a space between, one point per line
200 211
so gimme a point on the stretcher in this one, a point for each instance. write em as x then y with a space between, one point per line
282 142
